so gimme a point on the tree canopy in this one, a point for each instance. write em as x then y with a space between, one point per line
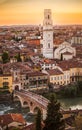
5 57
38 120
54 119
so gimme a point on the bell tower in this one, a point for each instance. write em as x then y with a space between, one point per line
48 34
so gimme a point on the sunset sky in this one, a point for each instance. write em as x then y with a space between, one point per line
31 11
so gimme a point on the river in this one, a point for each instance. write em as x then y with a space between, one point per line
16 108
72 103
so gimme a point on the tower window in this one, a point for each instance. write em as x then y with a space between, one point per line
48 16
48 45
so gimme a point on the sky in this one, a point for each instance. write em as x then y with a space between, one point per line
13 12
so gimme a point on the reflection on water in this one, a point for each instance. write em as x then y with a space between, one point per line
16 108
72 103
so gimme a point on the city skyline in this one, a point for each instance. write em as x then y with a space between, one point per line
31 11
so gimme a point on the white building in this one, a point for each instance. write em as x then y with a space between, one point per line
63 51
47 41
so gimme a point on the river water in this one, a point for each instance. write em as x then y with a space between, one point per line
16 108
72 103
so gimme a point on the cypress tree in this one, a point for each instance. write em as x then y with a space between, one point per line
38 120
54 119
19 57
5 57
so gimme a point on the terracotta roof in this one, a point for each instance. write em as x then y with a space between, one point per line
9 118
5 75
36 73
48 61
17 65
66 65
34 41
54 72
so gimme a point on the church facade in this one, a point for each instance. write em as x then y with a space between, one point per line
64 51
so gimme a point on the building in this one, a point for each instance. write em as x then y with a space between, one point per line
37 80
47 64
47 41
6 81
64 72
14 121
56 76
64 51
76 40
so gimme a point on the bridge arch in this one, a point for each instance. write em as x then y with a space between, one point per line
36 108
25 103
18 98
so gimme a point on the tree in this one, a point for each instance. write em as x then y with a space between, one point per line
54 119
38 120
5 57
18 58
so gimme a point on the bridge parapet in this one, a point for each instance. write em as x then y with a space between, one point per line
36 95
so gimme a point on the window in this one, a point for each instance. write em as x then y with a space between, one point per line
5 83
34 78
26 77
67 76
48 17
64 76
39 78
72 74
51 78
48 35
48 45
5 78
16 73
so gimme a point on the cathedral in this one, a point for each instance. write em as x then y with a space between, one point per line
64 51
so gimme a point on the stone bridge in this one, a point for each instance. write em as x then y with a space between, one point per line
32 100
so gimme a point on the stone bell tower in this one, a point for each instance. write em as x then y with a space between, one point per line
48 34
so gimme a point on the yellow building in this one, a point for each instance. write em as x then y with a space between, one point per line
56 76
66 76
75 74
6 81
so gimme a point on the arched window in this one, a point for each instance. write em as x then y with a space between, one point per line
48 45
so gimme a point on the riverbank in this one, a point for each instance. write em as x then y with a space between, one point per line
73 90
